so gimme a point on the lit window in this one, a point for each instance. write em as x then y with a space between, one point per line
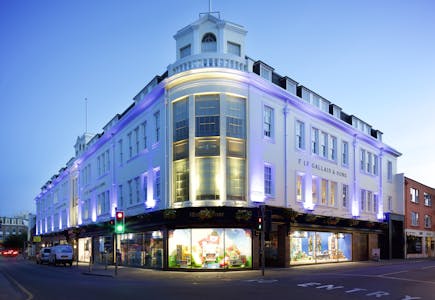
181 180
314 189
207 176
235 179
181 120
324 191
299 187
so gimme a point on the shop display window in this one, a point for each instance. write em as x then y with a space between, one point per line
414 244
143 249
309 247
210 248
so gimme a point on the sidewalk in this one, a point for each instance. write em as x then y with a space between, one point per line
135 272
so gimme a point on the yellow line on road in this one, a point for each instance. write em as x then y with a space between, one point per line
22 288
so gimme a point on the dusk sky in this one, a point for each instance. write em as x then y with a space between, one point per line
373 58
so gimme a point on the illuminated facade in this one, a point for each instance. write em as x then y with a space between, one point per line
202 147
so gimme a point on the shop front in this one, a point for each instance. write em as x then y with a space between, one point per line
310 247
143 249
420 244
210 248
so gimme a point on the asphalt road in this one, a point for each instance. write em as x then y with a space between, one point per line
397 279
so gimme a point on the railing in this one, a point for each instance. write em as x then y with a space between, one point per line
207 60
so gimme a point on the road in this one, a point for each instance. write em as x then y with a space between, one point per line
358 280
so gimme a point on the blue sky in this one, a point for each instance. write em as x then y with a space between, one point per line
374 58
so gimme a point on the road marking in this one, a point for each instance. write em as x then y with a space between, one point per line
22 288
392 273
383 276
357 291
261 280
425 268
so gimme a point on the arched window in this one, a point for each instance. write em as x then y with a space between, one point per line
208 43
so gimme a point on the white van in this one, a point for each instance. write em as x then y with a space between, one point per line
61 254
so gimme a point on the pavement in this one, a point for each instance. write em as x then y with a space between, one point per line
10 289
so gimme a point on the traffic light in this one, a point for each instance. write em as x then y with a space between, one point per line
260 223
119 222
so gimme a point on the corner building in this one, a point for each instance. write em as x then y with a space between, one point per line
202 148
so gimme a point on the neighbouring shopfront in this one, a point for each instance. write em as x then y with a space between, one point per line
309 247
420 244
143 249
85 249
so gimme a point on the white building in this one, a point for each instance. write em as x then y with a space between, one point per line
202 147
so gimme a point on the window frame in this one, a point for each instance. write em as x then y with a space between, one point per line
268 112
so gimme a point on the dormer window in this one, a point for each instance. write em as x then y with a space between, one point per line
185 51
208 43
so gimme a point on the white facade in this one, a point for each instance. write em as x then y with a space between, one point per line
299 152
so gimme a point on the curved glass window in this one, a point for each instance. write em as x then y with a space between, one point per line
208 178
208 43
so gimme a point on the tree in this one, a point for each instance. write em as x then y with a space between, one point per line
15 241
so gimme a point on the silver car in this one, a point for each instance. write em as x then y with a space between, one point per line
43 256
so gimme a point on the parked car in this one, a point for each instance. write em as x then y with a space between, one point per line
43 255
61 254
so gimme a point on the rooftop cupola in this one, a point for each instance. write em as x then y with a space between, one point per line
209 42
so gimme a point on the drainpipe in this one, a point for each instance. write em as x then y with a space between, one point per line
285 111
166 145
355 201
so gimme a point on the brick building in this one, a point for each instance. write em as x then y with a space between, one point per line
419 228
